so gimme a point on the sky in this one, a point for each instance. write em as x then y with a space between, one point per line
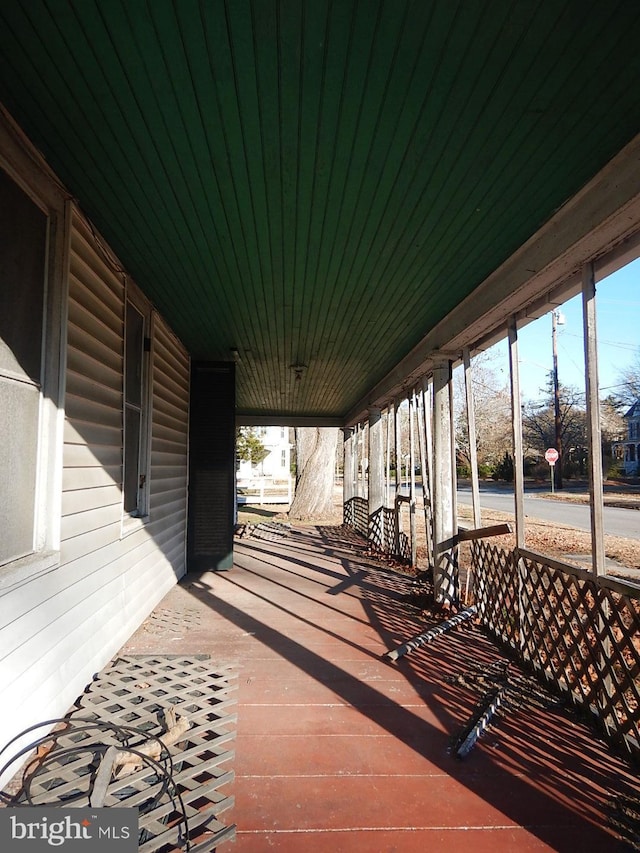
618 337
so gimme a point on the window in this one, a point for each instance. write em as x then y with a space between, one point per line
23 251
283 459
136 408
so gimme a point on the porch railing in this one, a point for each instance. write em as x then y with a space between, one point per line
356 515
385 531
581 633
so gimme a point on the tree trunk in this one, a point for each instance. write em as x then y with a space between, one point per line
315 463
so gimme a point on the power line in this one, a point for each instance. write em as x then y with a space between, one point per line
619 344
617 301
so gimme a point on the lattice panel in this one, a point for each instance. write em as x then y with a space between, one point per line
128 706
386 527
384 535
356 515
585 636
389 530
402 547
376 530
496 590
579 632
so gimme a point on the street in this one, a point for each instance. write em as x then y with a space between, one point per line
617 521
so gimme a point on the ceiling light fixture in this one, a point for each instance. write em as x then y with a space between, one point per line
298 369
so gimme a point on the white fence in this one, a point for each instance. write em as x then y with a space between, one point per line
264 490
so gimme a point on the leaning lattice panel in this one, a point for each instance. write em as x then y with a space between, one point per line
583 634
152 733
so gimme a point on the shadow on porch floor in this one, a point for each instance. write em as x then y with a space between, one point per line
338 749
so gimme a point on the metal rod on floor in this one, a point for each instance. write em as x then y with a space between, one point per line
426 636
484 720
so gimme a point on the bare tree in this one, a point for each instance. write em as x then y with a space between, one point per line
539 427
315 467
492 405
611 420
629 388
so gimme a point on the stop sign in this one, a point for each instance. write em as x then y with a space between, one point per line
551 456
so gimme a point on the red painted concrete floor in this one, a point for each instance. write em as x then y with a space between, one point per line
339 750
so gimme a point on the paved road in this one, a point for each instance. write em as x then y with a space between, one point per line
617 521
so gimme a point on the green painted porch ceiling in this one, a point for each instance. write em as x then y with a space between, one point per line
319 183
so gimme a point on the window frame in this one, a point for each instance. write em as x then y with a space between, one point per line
132 519
31 175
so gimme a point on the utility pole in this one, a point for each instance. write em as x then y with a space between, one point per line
557 318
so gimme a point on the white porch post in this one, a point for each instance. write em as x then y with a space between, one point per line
397 438
348 486
593 418
356 455
412 478
376 478
471 430
516 417
445 581
426 451
387 474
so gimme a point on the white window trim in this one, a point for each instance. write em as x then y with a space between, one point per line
131 522
25 166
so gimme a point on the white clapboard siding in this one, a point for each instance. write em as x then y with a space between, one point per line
170 424
60 626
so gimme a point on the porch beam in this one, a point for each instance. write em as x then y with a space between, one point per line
596 222
246 419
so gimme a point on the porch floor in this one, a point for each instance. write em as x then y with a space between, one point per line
339 750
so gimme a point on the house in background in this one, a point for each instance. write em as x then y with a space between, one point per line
628 451
276 465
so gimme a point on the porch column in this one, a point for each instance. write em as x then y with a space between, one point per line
426 452
376 478
397 439
356 454
388 418
445 569
471 430
348 486
593 418
516 417
412 479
